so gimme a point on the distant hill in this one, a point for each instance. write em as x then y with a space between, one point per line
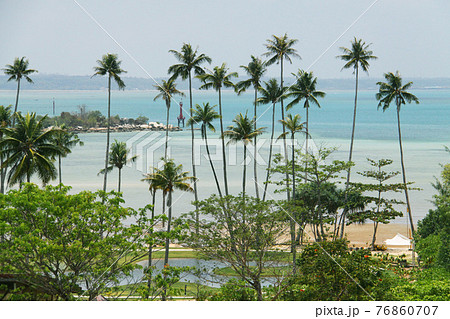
76 82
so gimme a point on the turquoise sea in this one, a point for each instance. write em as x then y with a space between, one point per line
425 129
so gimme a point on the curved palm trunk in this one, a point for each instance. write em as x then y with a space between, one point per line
245 171
224 157
17 103
307 138
288 194
150 247
120 179
270 153
2 173
166 253
408 206
212 165
59 169
105 177
255 167
293 241
167 129
194 173
344 213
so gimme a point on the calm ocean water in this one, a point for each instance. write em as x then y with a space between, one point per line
425 129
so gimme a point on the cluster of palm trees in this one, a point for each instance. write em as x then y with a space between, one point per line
244 128
26 148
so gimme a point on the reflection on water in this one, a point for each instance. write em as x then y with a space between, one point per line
205 267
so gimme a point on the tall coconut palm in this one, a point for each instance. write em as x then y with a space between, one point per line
31 150
217 79
271 93
118 157
151 179
243 131
190 61
166 90
66 140
357 56
18 70
394 91
5 121
305 89
205 115
294 125
109 65
255 70
280 48
168 179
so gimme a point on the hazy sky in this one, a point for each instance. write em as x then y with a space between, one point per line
412 36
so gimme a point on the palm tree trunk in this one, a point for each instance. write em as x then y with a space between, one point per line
120 179
224 157
167 129
193 157
107 135
270 153
255 168
59 167
288 194
2 170
293 241
166 254
344 212
150 247
212 165
17 103
245 171
306 142
408 206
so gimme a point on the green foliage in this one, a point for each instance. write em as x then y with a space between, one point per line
239 231
428 285
322 276
55 241
433 232
234 290
380 209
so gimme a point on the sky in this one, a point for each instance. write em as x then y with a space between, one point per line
58 37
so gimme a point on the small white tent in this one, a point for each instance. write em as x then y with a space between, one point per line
398 240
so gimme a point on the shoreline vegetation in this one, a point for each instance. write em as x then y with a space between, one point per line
96 122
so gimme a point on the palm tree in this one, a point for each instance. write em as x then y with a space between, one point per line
5 121
169 178
109 65
293 124
358 55
17 71
393 91
243 131
205 115
280 48
151 179
66 140
31 150
190 61
118 157
271 93
305 89
217 79
166 90
255 70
